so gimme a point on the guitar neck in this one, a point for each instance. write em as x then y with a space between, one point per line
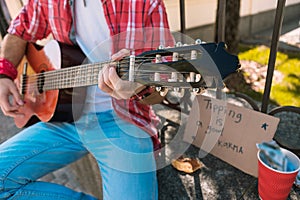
77 76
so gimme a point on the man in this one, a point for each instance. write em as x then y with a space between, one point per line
114 127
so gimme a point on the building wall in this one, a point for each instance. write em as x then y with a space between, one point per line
256 15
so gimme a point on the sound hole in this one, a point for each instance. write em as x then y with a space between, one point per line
41 82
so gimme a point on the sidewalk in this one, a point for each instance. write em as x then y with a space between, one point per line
289 39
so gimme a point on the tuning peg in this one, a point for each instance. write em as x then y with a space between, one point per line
178 44
198 78
158 58
198 91
158 88
193 54
175 56
163 92
161 46
174 77
198 41
192 77
156 76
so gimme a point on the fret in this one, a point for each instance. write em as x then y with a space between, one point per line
68 80
97 68
83 74
73 78
59 82
89 74
93 75
63 80
77 78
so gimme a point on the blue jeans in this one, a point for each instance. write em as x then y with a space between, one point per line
123 151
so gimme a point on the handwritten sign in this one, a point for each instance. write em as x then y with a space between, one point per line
229 132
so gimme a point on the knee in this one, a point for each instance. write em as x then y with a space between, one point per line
9 186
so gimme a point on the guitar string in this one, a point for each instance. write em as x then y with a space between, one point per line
54 85
51 77
68 72
78 68
91 77
87 66
55 78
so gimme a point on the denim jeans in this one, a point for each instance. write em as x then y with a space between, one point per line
124 154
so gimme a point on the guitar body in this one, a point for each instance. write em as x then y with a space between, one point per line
51 105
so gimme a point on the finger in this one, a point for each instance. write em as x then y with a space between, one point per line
16 96
102 82
13 114
106 78
10 106
122 89
105 84
6 105
11 110
114 79
121 85
120 54
9 88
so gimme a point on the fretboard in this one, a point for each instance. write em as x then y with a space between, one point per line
77 76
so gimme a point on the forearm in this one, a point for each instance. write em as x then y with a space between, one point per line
13 49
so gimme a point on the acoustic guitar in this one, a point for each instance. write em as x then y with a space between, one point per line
52 79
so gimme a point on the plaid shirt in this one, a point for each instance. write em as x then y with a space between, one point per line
138 25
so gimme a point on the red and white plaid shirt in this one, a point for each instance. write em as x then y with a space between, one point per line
138 25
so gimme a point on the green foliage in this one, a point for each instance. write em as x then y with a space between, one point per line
287 92
261 54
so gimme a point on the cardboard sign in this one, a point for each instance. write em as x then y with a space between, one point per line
229 132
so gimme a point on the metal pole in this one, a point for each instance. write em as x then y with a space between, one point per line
221 20
182 16
221 32
273 52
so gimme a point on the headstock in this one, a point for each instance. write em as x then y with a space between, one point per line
197 66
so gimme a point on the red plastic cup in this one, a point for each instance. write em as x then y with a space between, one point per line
274 184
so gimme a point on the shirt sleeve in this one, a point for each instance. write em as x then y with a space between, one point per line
31 24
